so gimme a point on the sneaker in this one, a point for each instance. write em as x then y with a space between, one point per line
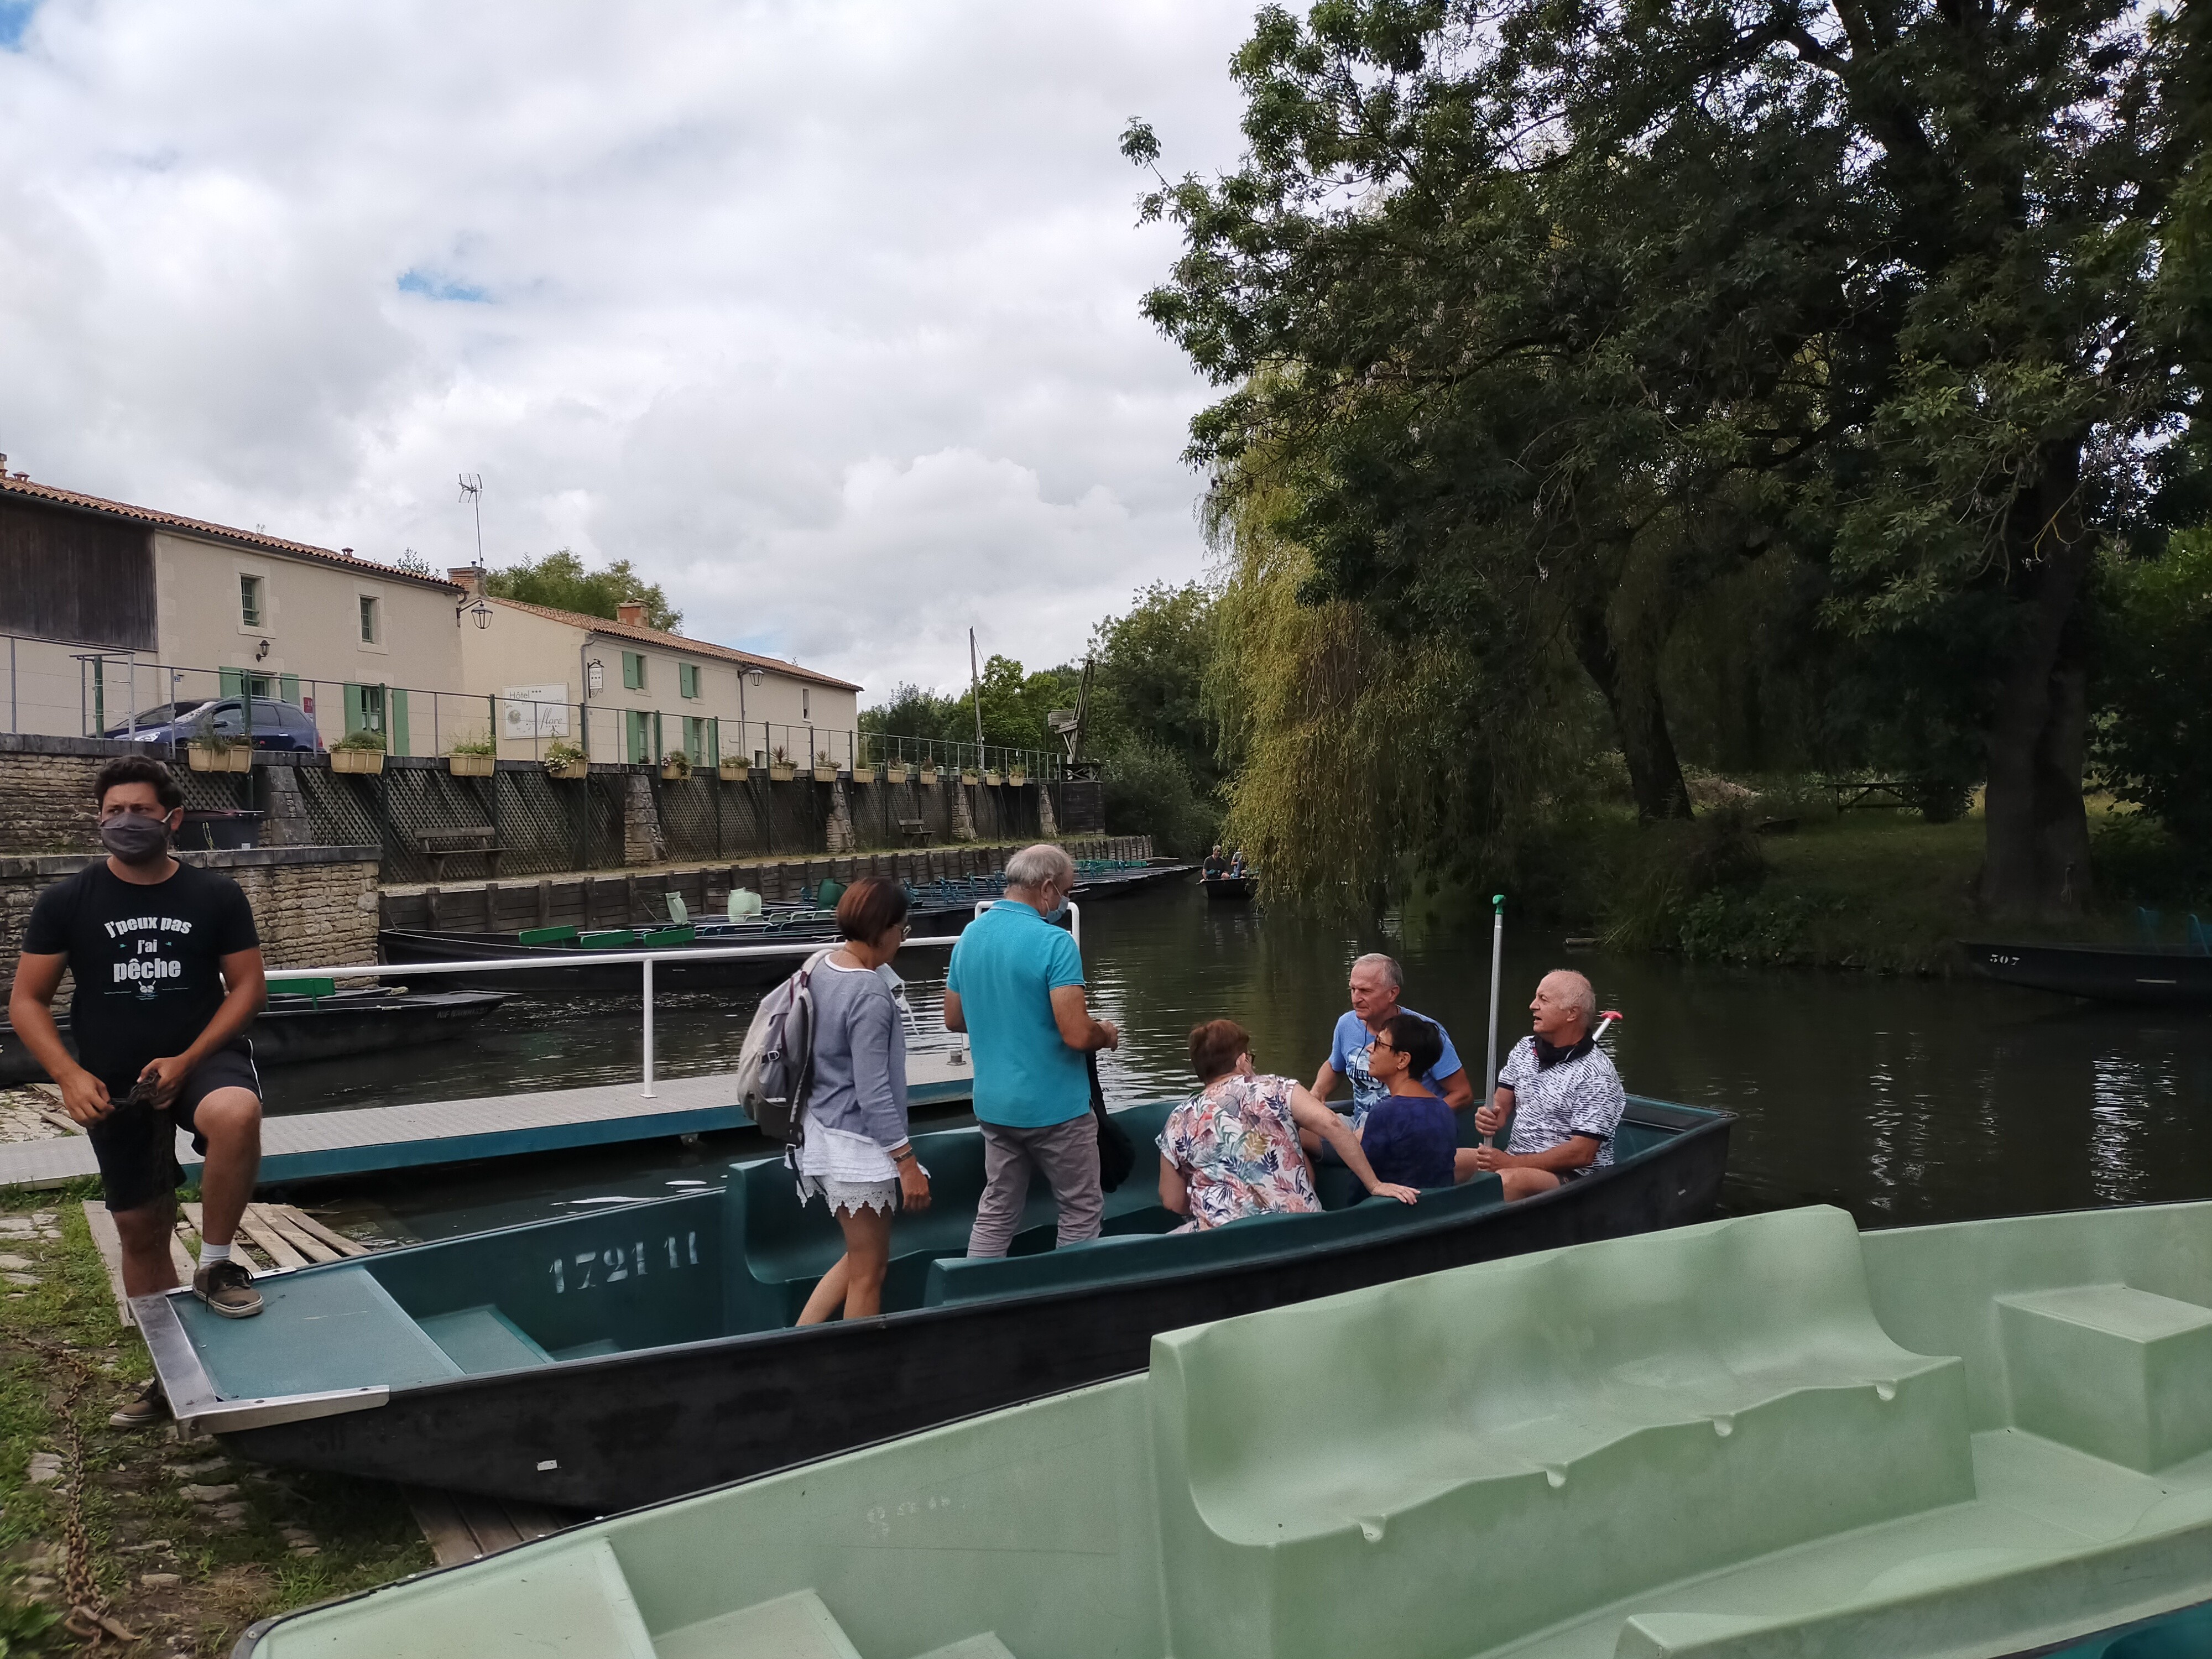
149 1408
227 1289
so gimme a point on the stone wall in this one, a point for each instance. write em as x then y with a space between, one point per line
45 792
312 904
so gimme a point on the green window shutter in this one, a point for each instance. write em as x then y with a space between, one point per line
632 670
687 679
395 703
714 742
357 710
233 681
658 748
639 735
288 688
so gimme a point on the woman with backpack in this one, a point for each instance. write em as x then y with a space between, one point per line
855 1155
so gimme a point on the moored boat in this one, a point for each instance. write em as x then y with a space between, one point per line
1765 1435
293 1028
2173 975
607 1359
1228 888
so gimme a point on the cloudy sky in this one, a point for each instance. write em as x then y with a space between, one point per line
823 313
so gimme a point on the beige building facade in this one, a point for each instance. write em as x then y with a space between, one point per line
621 691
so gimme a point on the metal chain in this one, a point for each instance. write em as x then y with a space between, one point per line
79 1587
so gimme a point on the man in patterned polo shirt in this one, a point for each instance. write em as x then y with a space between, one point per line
1560 1091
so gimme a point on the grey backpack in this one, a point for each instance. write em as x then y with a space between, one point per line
775 1068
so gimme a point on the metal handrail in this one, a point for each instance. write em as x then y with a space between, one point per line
591 959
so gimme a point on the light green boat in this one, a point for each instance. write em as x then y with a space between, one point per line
1768 1437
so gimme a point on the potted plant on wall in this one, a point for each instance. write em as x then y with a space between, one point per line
675 766
565 760
1017 775
358 752
779 769
825 768
991 776
929 771
472 757
735 768
210 750
895 770
969 774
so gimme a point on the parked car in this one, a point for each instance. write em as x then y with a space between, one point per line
275 725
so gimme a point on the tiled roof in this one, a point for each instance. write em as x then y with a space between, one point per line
622 630
25 488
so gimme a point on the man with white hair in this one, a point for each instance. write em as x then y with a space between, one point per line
1016 987
1559 1089
1377 982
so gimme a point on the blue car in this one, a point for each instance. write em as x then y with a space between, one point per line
275 725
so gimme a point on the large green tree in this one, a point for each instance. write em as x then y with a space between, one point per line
1566 310
561 582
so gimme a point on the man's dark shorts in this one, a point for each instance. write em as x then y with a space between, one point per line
136 1146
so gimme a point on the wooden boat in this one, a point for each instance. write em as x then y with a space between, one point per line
401 944
1228 888
1761 1437
2172 975
1120 883
607 1359
293 1028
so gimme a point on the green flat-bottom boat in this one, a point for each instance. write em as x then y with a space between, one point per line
1768 1437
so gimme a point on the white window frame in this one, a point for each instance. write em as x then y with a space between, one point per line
265 600
376 595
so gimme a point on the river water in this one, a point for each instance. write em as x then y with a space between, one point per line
1901 1100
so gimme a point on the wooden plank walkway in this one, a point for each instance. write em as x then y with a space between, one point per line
306 1146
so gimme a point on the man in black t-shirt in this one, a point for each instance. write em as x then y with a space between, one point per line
168 976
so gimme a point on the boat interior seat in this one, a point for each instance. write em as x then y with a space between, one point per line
1661 1405
779 1248
1147 1257
332 1327
679 912
481 1339
745 904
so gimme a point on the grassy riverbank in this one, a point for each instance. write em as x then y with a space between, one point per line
184 1544
1790 880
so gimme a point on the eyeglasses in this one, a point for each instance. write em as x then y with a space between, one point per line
1382 1042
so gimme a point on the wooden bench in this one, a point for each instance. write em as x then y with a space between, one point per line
439 845
1883 794
917 833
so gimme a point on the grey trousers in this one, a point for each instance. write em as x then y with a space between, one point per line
1067 1154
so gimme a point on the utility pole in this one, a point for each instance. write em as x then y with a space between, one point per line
975 694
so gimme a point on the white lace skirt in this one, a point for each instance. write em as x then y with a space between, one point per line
848 1172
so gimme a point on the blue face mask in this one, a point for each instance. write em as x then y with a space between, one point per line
1057 912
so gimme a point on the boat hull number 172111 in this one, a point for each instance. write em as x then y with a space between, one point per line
592 1270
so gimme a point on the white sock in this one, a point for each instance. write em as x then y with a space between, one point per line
211 1253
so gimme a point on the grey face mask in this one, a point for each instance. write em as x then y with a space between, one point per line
135 838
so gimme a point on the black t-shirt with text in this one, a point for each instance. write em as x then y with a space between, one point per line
147 961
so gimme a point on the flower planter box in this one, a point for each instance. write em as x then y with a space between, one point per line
236 758
569 771
929 774
736 771
470 766
825 774
674 774
894 773
1017 775
781 771
991 776
967 774
357 759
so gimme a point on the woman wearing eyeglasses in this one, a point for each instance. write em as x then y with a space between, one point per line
1232 1151
856 1156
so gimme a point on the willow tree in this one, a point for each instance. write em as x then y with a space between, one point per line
1571 306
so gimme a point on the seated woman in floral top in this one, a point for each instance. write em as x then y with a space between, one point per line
1232 1151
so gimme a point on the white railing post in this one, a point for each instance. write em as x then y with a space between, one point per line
647 1090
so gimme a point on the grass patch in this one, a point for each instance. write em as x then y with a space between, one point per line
236 1557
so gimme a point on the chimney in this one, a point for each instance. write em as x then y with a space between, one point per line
631 612
464 575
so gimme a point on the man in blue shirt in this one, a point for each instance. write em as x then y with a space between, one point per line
1016 987
1376 984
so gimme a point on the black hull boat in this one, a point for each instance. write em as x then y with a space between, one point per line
1229 888
609 1360
408 945
293 1029
2165 975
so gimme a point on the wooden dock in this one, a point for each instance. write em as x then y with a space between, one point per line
309 1145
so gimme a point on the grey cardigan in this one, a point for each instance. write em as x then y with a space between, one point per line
859 1055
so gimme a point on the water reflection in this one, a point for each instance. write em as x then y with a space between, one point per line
1905 1101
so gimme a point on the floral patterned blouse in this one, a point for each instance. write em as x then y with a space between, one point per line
1238 1147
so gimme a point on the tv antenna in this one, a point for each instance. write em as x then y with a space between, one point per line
472 493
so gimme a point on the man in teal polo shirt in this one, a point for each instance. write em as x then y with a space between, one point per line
1016 987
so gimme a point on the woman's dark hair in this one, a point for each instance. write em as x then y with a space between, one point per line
870 907
1214 1046
1421 1043
137 768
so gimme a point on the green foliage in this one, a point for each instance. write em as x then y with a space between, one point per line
1149 790
560 582
473 746
2154 736
1149 685
1014 704
22 1622
562 753
362 739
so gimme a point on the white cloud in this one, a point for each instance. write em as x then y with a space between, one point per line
823 314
